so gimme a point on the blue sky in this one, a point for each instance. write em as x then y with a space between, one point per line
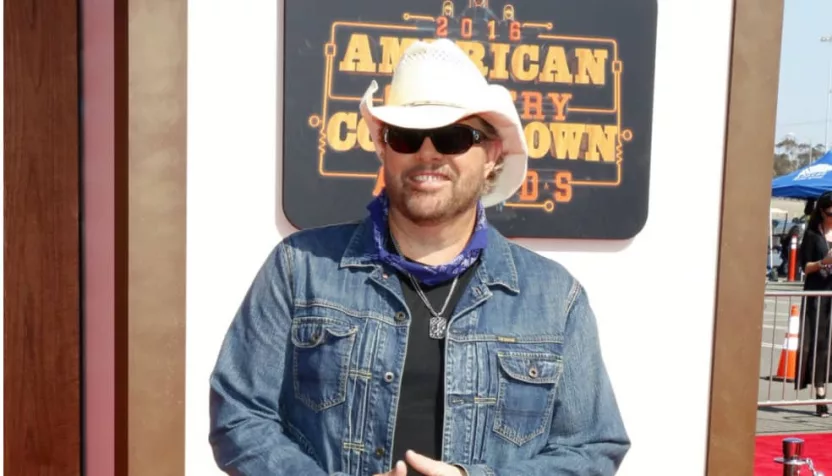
804 70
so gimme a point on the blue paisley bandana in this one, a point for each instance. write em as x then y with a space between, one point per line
428 275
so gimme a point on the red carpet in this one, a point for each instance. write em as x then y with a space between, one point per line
816 446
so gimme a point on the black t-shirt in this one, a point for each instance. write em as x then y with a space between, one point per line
814 248
421 404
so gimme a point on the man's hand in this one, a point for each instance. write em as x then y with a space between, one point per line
399 469
430 467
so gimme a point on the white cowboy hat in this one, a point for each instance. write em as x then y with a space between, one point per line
435 84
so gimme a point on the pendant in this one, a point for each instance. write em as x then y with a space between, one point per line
438 324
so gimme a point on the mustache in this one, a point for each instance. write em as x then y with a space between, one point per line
442 170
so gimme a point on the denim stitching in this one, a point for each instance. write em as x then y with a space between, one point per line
303 442
343 374
529 339
338 307
574 292
500 426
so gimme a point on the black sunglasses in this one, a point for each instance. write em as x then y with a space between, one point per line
448 140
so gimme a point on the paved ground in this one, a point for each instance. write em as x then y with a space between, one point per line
782 419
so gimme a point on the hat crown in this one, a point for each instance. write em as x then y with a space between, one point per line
435 84
438 72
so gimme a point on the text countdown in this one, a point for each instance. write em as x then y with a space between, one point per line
581 75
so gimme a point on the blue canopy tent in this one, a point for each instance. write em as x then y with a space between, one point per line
806 183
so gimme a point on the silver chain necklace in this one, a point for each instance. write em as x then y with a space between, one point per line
438 323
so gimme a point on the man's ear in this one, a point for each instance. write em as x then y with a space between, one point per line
489 167
494 151
491 159
378 139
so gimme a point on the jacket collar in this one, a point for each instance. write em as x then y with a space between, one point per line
496 267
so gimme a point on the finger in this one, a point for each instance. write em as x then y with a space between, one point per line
423 464
400 469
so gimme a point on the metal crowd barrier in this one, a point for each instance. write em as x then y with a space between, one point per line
784 332
784 325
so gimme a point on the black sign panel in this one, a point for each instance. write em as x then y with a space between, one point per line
581 73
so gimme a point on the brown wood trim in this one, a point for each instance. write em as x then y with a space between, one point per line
752 106
42 280
152 147
121 192
98 240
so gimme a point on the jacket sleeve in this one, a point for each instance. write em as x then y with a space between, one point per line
247 432
587 436
811 249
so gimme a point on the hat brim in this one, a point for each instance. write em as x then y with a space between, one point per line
430 116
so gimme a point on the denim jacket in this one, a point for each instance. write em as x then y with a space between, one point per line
307 379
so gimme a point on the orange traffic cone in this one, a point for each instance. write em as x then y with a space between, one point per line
788 354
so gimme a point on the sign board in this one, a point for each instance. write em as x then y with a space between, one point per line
581 74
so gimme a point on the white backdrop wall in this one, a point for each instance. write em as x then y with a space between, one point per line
3 237
661 378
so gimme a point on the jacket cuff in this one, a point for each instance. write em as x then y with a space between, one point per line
476 470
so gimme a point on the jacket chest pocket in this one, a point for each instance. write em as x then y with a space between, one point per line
525 398
321 360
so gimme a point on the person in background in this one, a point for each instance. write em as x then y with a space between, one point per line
816 260
809 207
785 250
419 340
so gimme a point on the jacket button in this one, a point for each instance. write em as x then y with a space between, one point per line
388 377
533 372
379 452
399 316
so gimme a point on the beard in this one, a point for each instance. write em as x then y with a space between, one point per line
433 207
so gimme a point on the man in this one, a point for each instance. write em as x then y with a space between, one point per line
419 340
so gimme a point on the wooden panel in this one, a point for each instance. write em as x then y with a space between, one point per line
746 192
41 358
155 231
98 239
121 193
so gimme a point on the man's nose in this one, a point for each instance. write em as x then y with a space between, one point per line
428 153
